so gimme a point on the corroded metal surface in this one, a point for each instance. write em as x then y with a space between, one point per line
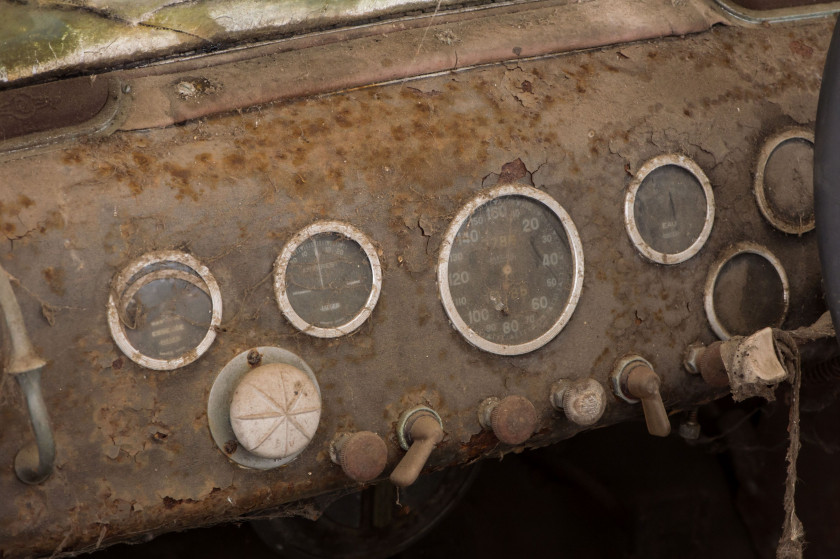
135 454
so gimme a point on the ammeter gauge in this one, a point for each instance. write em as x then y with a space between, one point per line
510 270
164 309
327 279
669 209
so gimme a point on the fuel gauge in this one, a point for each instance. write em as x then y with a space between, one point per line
327 279
164 309
669 209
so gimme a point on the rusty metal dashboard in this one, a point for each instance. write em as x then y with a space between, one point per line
221 178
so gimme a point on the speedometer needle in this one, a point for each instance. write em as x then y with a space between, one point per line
540 259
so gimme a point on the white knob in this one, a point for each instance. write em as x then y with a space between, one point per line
275 411
583 401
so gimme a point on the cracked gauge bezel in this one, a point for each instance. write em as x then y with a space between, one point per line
630 209
129 278
281 265
575 248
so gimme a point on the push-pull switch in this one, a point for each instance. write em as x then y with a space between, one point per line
419 431
362 455
583 401
635 381
513 419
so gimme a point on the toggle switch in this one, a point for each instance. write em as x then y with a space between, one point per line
583 401
419 431
361 455
512 419
635 381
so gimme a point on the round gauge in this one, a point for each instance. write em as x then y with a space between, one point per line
746 290
510 271
669 209
784 180
327 279
164 309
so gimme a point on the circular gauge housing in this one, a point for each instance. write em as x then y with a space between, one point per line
784 179
746 290
510 270
327 279
669 209
164 309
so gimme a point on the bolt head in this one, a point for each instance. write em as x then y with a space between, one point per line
691 362
254 357
690 430
275 411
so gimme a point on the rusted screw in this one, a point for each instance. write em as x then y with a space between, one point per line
690 428
254 358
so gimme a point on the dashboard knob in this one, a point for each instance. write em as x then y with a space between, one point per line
275 410
361 455
633 381
513 419
419 431
583 401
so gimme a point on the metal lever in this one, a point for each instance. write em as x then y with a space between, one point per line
643 384
634 380
419 431
34 462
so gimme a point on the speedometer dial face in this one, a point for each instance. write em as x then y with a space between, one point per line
511 270
327 279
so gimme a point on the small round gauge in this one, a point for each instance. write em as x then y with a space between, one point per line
669 209
164 309
327 279
746 290
784 181
510 270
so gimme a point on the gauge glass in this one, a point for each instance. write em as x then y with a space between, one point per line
784 179
511 270
747 290
327 279
164 310
669 209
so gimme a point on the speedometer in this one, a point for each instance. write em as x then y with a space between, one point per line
510 271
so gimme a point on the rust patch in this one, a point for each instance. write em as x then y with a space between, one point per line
513 171
55 279
479 444
169 503
801 49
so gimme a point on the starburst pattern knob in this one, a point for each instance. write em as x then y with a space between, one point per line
275 411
